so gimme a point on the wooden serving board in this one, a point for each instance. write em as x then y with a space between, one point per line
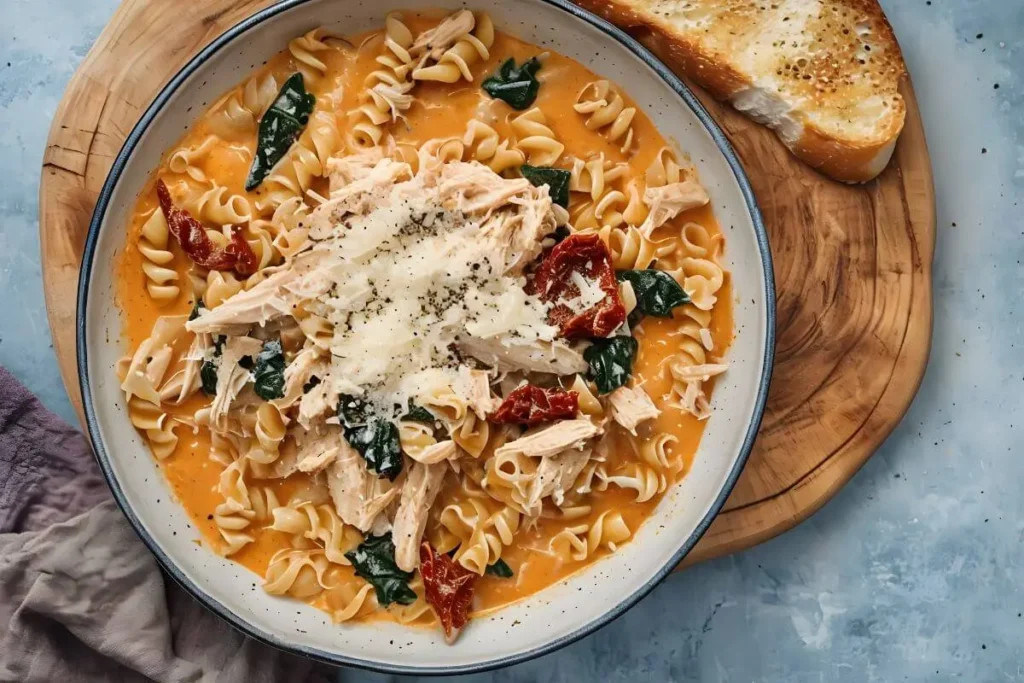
852 266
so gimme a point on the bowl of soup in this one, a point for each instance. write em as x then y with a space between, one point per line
448 328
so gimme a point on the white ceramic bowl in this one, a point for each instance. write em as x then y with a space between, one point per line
563 612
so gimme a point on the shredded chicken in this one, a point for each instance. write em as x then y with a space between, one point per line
320 399
555 476
231 376
356 183
631 406
315 462
418 494
668 201
359 495
475 387
552 439
435 453
306 365
513 354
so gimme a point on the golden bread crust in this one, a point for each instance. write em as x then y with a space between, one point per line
826 73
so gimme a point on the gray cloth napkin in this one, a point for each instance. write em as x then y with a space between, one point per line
84 599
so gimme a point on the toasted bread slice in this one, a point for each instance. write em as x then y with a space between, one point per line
823 74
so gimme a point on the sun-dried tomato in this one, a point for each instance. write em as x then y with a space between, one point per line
194 241
449 588
588 256
530 405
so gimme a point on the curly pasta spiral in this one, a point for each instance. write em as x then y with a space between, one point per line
156 426
592 176
349 600
220 286
570 544
239 112
271 426
306 160
588 401
607 110
305 50
154 245
184 160
605 212
664 170
636 210
486 146
535 138
481 534
298 573
218 206
656 452
386 95
642 478
456 62
284 227
419 612
318 523
608 530
471 434
234 515
699 273
630 249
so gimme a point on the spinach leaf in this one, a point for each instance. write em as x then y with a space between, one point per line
374 560
499 569
268 372
560 233
516 85
657 293
419 414
611 362
208 370
280 127
377 441
196 308
557 180
308 386
352 410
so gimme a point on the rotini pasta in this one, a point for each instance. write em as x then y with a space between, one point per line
306 161
298 573
386 95
220 286
457 61
239 112
306 51
606 110
644 479
184 160
486 146
664 170
535 138
349 600
154 245
218 206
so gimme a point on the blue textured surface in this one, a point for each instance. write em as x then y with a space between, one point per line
912 571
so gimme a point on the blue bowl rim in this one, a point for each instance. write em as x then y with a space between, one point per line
249 629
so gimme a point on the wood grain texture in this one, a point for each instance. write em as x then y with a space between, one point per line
852 267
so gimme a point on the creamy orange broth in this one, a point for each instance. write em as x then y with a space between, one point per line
441 111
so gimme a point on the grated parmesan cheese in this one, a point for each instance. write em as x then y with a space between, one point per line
590 294
411 279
